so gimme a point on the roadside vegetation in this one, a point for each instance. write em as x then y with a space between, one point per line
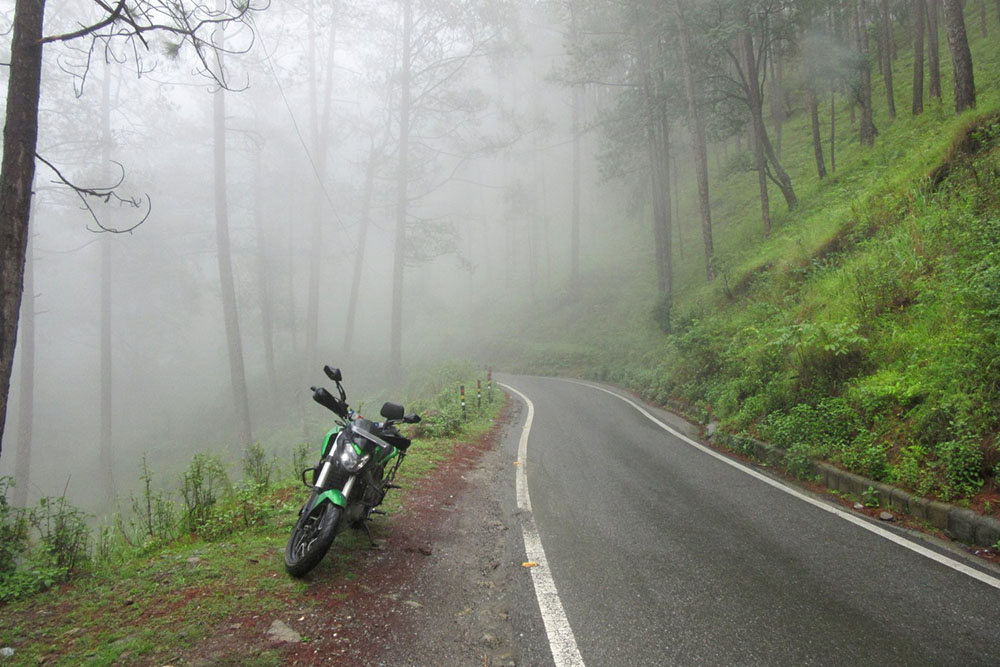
865 330
186 553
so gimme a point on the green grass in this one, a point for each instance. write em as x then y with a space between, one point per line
877 299
151 605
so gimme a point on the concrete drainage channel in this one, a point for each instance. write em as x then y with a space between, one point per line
961 524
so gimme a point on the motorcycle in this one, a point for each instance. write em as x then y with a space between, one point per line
357 466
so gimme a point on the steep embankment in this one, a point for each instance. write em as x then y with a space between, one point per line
865 330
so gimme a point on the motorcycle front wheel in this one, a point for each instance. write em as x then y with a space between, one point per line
311 538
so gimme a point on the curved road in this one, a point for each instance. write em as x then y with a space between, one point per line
662 554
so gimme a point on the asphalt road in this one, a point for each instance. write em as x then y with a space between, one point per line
662 555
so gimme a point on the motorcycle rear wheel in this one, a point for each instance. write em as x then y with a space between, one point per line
311 538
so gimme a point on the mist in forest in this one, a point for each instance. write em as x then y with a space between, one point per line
127 328
221 209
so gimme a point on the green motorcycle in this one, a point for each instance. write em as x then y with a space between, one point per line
357 467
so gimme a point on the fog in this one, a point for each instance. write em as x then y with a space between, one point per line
314 98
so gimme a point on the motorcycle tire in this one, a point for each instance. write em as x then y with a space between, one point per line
311 538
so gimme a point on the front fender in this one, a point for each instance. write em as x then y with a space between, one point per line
334 496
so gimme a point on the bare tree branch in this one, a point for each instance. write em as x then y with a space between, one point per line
105 194
190 23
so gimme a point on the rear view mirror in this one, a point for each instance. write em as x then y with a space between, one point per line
333 373
392 411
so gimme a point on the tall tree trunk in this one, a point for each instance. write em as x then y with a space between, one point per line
316 205
26 398
961 57
777 95
263 284
666 150
867 128
814 119
659 225
106 456
676 199
374 156
574 233
833 130
234 343
20 136
402 182
752 88
319 135
764 152
664 147
657 147
933 50
697 141
919 18
885 32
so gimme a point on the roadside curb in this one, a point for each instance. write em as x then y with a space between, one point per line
959 523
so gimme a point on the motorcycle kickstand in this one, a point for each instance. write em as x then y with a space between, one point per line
368 532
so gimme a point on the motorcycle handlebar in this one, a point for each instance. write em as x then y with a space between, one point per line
329 401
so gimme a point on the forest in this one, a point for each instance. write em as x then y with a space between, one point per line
779 217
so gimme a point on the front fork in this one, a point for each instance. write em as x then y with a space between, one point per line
338 497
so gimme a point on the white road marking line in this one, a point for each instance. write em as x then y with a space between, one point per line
847 516
562 643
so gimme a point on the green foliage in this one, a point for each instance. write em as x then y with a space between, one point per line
868 456
912 470
248 507
257 468
661 312
961 462
865 330
154 514
437 400
808 431
825 356
869 497
301 455
204 483
61 548
13 530
63 531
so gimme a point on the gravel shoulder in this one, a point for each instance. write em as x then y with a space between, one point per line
445 586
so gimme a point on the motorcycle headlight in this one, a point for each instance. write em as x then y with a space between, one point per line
351 458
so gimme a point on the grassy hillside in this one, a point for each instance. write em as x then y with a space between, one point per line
865 330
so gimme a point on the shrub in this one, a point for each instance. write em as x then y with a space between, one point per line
62 546
661 312
961 463
868 456
153 514
825 356
301 459
807 432
13 530
256 468
246 508
205 481
912 471
63 531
